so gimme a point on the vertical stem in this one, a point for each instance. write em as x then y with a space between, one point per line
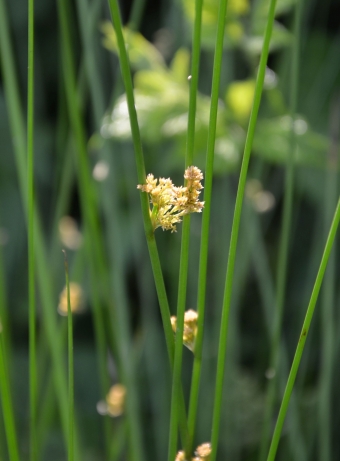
284 241
150 237
70 367
30 195
6 399
43 275
184 258
176 378
234 233
303 335
202 277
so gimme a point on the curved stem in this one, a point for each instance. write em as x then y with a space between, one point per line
284 241
303 335
234 233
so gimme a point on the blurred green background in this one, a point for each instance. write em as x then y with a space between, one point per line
160 60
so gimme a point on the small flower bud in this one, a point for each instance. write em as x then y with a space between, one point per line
190 328
203 451
180 456
76 299
115 400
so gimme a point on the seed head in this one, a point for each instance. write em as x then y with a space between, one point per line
203 451
76 299
115 400
190 328
170 203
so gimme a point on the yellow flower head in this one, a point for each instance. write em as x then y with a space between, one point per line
170 203
76 299
190 328
115 400
203 452
180 456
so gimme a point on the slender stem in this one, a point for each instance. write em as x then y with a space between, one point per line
31 261
70 366
151 242
176 378
284 241
328 298
202 277
195 64
267 293
19 143
234 233
303 335
5 393
184 258
100 272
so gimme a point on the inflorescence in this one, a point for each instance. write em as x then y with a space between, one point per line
190 328
170 203
202 453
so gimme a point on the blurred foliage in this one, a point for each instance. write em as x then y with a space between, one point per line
161 96
160 61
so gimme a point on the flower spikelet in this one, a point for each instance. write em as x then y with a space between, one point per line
76 299
115 400
180 456
193 176
170 203
190 328
203 452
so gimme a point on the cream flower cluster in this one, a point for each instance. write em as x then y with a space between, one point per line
202 453
190 328
171 203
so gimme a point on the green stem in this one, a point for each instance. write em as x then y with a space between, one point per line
202 277
151 242
43 277
70 367
328 299
303 335
6 399
235 231
184 258
267 293
31 262
176 378
284 241
99 269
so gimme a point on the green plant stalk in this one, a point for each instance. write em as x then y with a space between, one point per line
87 19
7 406
31 262
303 335
44 281
6 337
48 400
135 19
328 298
176 376
204 247
99 272
184 258
267 293
234 233
150 237
70 366
284 240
